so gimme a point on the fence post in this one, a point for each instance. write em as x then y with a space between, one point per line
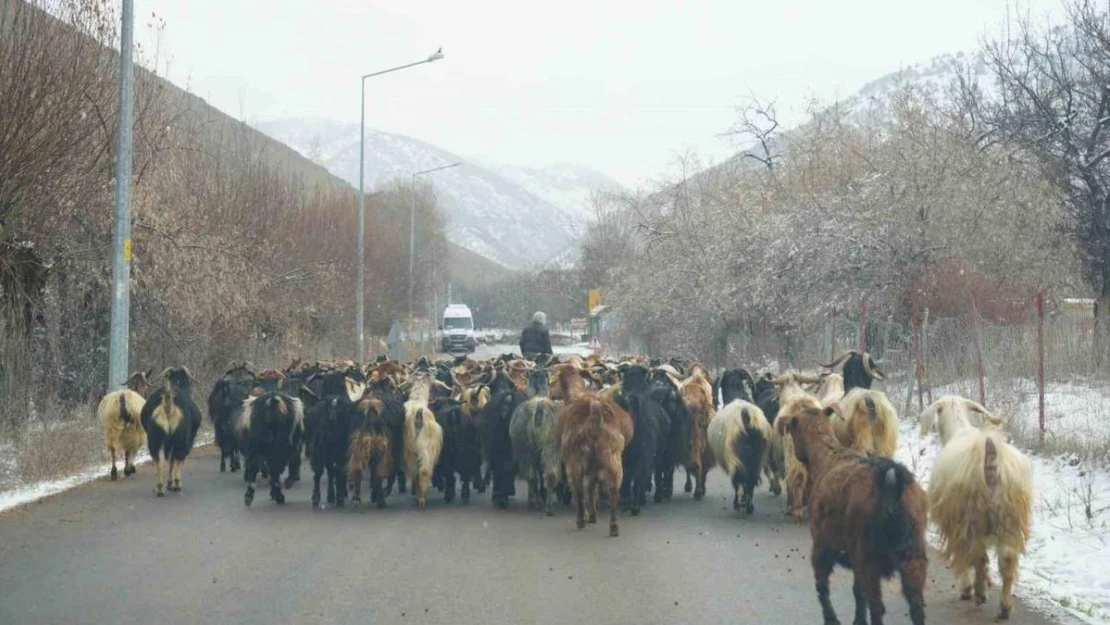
886 334
925 356
979 346
919 369
863 325
1040 360
832 333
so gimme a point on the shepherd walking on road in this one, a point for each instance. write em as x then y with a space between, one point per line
534 339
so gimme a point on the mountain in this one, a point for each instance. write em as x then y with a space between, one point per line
566 186
516 217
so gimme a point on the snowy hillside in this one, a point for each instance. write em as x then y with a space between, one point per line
567 187
507 215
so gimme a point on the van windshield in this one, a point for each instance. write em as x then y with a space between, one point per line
457 323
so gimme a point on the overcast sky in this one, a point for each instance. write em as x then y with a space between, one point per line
622 87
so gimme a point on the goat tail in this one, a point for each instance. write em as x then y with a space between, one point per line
358 455
124 416
596 416
418 420
894 521
990 464
872 414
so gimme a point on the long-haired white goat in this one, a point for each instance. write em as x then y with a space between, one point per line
867 423
980 497
119 413
423 437
740 439
782 445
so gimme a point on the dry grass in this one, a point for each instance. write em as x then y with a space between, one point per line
56 442
52 453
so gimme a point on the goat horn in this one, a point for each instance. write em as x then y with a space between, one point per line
975 406
188 373
839 359
806 379
872 367
166 372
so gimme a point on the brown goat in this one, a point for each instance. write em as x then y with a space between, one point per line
697 392
568 381
865 513
592 434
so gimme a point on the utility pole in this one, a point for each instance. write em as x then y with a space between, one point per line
118 342
360 288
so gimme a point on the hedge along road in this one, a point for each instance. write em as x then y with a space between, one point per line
113 553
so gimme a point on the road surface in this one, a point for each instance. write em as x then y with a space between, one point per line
113 553
488 352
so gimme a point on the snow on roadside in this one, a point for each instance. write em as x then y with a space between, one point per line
32 492
1067 560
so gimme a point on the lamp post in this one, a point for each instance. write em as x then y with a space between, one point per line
119 339
360 289
412 226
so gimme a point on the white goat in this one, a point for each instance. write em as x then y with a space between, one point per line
980 497
423 437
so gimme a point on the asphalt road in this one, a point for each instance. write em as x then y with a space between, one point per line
113 553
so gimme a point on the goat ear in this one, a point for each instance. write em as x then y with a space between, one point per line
834 409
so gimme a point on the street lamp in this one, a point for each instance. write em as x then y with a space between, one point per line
412 226
361 286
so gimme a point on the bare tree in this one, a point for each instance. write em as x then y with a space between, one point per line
758 122
1053 103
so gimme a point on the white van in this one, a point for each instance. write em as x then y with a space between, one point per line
458 330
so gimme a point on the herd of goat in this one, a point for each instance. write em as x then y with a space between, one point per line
576 427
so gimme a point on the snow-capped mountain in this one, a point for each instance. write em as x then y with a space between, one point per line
506 214
566 186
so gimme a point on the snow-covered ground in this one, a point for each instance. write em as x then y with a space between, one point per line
1067 563
30 492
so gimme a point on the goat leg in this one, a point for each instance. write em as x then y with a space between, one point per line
158 489
980 579
223 460
128 463
340 486
689 486
861 604
331 483
1007 564
580 499
703 473
591 499
823 562
315 486
871 586
354 485
614 527
449 486
659 491
275 488
549 494
114 475
376 494
913 588
294 469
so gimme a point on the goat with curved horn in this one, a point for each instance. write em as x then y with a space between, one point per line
872 367
839 359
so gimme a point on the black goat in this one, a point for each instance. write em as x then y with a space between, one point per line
496 416
171 419
674 449
860 370
273 425
651 424
224 405
733 384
